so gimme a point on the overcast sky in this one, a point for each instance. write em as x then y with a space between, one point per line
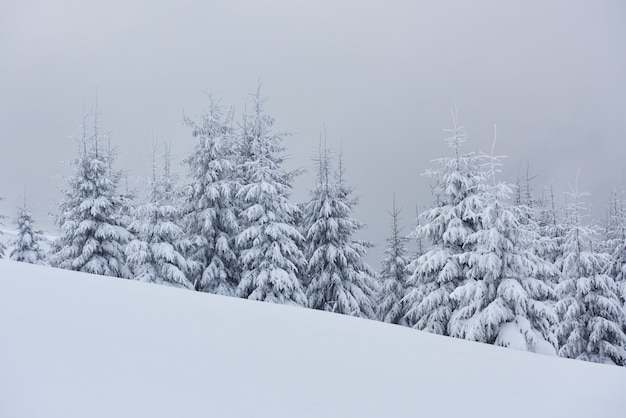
381 75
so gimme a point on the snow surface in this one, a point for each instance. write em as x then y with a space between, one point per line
78 345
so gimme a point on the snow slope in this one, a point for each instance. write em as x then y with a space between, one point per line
75 345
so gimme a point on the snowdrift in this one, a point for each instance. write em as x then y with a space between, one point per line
77 345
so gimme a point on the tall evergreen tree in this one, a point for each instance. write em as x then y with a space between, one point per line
393 275
128 203
504 300
550 229
614 240
26 246
211 220
2 246
459 188
156 254
591 318
338 278
538 217
269 241
92 238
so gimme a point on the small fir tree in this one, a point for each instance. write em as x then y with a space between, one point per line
2 246
338 278
550 229
538 218
92 236
211 220
614 240
504 299
269 242
458 192
128 203
156 253
26 246
393 275
614 232
591 317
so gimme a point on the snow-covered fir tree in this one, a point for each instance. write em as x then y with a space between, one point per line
156 254
419 240
211 220
338 278
459 189
614 231
269 241
547 217
539 216
2 246
393 274
128 202
614 240
92 238
591 316
26 246
504 299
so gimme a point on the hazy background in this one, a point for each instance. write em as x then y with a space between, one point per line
381 76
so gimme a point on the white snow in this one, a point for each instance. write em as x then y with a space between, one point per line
78 345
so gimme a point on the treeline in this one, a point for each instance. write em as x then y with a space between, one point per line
493 263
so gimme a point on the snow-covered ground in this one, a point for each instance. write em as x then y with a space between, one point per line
76 345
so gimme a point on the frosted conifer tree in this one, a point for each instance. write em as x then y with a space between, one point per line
128 203
26 246
156 253
614 240
2 247
591 316
504 300
269 242
211 214
92 238
338 278
393 275
614 232
539 216
458 192
550 229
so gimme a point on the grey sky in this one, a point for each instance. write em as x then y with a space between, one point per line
381 75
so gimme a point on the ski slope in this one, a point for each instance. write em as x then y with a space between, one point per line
77 345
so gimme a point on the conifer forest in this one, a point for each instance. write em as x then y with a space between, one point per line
487 260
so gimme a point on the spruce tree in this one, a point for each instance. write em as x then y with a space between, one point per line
338 278
459 193
504 299
614 240
591 316
156 254
614 230
538 217
92 237
550 229
393 275
26 246
128 203
2 246
269 241
211 220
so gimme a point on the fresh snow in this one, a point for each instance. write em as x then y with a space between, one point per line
79 345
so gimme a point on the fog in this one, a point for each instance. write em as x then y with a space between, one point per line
381 76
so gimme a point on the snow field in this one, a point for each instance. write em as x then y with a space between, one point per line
78 345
